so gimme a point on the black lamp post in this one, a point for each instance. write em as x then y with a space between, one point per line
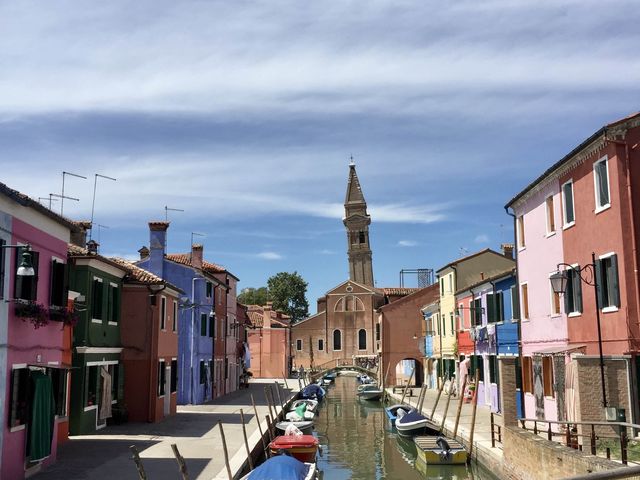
559 285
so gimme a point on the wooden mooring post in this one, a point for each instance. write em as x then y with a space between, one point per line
473 414
136 458
433 410
460 400
407 385
182 466
246 441
446 408
226 452
255 411
284 378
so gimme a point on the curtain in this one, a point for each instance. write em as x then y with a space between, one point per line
105 401
42 417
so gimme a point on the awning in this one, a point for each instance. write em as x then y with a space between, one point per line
559 349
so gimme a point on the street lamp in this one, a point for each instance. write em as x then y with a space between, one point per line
26 267
559 284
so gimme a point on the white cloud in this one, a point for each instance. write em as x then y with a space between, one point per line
482 238
407 243
326 251
269 256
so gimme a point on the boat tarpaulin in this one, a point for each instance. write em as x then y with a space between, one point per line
43 412
412 416
280 467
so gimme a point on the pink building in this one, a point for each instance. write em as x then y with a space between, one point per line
32 332
269 341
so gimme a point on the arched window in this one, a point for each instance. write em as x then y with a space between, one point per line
362 339
337 340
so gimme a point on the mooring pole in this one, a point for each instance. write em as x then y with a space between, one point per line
246 441
460 400
407 385
473 414
433 410
226 452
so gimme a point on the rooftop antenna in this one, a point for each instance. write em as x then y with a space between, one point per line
48 198
64 174
61 197
167 210
463 251
99 227
93 204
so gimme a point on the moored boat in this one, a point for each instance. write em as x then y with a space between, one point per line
370 392
302 447
283 467
312 391
414 423
297 415
393 411
305 426
311 404
440 451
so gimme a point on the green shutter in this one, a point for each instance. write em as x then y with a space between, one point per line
491 307
577 289
515 303
598 268
614 286
568 294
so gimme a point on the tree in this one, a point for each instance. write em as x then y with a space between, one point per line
288 292
254 296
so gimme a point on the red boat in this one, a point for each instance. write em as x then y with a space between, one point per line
302 447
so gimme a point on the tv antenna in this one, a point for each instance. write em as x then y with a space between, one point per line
93 204
99 227
62 197
47 198
168 209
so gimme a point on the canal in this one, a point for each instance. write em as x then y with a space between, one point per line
358 443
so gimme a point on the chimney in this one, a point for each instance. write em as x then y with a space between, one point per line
196 255
481 275
507 250
92 247
79 237
144 253
266 315
157 247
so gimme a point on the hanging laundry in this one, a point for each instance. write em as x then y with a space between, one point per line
105 401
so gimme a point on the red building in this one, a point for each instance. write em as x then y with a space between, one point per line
466 345
149 333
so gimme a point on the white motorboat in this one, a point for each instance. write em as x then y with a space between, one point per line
305 426
293 415
414 423
310 403
370 392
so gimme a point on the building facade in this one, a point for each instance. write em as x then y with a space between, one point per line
33 329
269 340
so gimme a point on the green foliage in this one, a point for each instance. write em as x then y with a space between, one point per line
288 292
254 296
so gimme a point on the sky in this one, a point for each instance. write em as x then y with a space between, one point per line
245 114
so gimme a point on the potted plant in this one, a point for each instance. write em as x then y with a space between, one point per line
67 316
33 311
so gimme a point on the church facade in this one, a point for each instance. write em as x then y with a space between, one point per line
346 326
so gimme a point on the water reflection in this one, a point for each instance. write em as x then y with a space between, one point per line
358 443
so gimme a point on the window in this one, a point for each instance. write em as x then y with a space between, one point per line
203 373
601 183
442 286
299 344
515 304
524 296
337 340
211 376
2 260
174 320
547 376
495 307
453 326
551 221
476 312
26 288
527 375
362 339
91 386
450 277
555 301
607 279
96 299
493 369
461 320
320 344
226 367
568 213
443 320
363 238
573 292
520 224
163 313
162 376
203 324
58 294
377 332
114 303
174 375
212 325
209 290
59 387
19 410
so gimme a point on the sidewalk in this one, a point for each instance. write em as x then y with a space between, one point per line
489 457
106 456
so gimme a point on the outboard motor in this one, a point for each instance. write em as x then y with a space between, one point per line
445 454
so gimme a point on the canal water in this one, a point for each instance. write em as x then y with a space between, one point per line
358 443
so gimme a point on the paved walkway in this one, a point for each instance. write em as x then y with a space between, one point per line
105 455
488 456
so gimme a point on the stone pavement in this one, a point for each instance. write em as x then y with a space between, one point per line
105 455
489 457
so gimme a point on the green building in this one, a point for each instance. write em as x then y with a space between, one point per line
97 378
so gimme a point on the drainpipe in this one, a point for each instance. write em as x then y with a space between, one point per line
493 285
520 360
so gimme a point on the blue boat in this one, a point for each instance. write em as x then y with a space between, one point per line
393 410
414 423
283 467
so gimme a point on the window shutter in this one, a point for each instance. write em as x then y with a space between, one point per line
613 282
515 303
577 289
120 368
568 294
2 260
491 307
598 269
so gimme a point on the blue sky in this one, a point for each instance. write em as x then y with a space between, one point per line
244 114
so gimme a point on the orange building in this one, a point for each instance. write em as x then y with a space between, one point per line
269 339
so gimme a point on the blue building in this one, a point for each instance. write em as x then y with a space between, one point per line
430 313
197 330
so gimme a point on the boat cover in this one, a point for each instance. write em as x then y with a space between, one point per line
412 416
312 390
285 441
280 467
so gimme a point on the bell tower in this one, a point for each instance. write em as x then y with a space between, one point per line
357 223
